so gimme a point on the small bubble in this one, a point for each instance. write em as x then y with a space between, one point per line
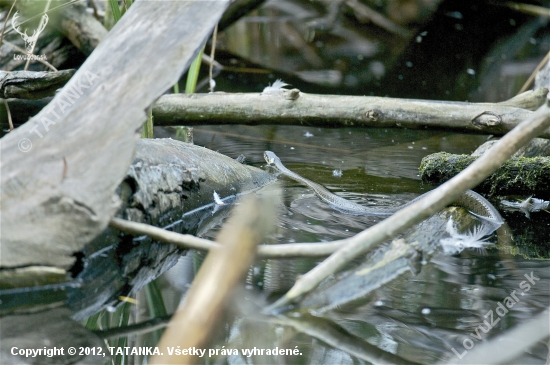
426 310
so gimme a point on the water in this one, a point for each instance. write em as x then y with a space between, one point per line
418 318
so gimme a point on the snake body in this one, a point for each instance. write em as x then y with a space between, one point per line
470 200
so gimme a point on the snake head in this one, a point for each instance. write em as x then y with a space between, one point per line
269 157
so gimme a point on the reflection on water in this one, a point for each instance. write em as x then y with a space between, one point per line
418 318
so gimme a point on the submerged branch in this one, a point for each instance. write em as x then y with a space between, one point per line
294 108
421 209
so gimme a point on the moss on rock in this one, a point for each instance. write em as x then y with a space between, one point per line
519 175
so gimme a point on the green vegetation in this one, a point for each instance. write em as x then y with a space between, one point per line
520 175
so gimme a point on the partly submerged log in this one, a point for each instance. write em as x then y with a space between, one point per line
169 184
60 170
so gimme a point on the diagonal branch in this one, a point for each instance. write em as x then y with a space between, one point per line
422 209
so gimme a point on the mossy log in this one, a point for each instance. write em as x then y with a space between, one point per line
519 175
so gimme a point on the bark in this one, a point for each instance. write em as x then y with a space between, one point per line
519 175
169 184
296 108
61 169
32 85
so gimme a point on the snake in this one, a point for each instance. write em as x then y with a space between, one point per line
470 200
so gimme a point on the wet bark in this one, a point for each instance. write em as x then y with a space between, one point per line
60 170
169 184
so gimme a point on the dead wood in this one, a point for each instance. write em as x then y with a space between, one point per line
32 85
296 108
61 169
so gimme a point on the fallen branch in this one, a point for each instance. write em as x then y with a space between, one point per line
223 269
61 189
188 241
32 85
503 349
420 210
295 108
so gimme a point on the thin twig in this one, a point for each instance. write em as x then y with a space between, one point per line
6 21
42 13
534 74
212 53
42 25
188 241
415 213
135 329
19 49
9 114
94 7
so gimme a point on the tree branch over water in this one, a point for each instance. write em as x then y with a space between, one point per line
422 209
294 108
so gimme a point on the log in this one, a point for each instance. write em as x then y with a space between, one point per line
81 28
169 184
61 169
297 108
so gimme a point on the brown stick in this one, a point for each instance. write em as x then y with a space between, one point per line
223 269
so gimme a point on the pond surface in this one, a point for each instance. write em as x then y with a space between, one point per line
421 318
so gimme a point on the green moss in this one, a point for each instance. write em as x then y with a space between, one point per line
519 175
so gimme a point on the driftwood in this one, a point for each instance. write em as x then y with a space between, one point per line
296 108
186 109
81 28
221 272
169 184
32 85
60 170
